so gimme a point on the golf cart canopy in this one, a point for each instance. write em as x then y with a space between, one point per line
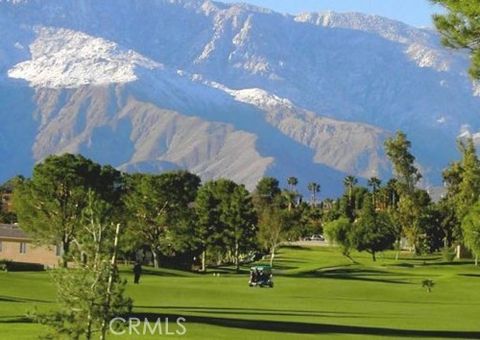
262 268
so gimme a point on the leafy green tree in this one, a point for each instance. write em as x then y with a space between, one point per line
330 210
471 230
308 222
9 186
408 216
436 228
448 222
227 219
459 28
408 210
272 230
398 151
160 209
462 180
209 225
50 203
91 293
241 220
412 215
452 178
373 232
340 233
266 192
469 186
7 215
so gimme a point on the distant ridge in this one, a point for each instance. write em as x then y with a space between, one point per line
226 90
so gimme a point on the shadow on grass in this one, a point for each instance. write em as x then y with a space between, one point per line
469 275
400 265
4 298
292 260
15 319
445 263
227 270
160 272
310 328
281 266
410 302
416 258
294 247
261 311
192 274
360 274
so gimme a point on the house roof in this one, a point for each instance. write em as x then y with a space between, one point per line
12 231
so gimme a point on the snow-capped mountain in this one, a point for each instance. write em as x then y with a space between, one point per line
231 91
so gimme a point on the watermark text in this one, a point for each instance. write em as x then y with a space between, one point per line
137 326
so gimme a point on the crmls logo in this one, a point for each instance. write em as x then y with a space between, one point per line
131 326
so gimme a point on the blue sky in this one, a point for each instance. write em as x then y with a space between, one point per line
413 12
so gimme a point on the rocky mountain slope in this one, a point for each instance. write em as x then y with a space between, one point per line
225 90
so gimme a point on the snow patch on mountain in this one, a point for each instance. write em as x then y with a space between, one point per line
389 29
422 45
260 98
62 58
345 146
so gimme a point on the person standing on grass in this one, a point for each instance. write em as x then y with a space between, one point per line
137 272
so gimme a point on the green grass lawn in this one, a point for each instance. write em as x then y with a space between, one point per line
318 293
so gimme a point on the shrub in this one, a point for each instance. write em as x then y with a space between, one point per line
448 255
428 284
10 266
339 232
4 265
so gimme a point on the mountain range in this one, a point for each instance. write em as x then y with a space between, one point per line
226 90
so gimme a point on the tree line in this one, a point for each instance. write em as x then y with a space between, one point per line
400 210
172 215
185 223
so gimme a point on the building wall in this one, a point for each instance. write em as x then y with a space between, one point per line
10 250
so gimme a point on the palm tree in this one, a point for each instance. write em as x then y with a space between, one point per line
349 182
328 204
314 189
292 183
392 186
374 183
291 198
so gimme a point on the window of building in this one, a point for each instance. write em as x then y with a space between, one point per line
1 246
58 250
23 248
